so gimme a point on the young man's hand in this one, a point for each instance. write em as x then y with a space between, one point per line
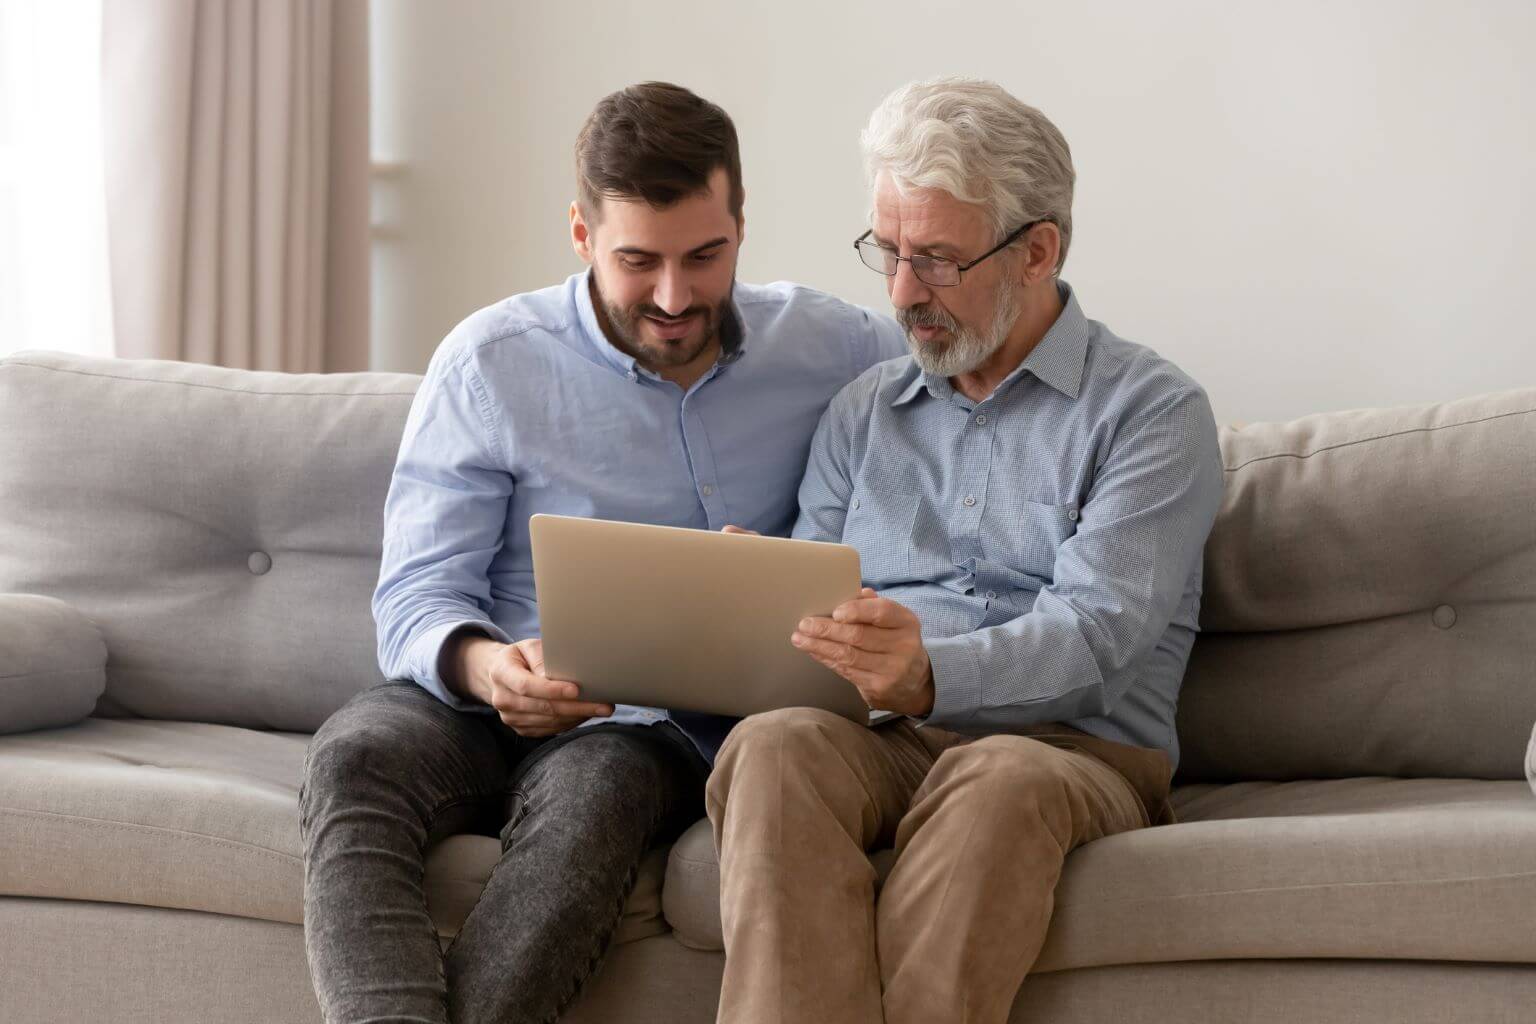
877 645
510 678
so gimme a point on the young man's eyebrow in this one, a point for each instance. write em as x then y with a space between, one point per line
635 250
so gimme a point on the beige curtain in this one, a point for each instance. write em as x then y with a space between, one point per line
236 150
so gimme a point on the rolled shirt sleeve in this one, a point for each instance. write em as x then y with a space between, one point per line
444 521
1117 583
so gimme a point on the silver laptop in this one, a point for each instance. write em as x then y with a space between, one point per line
690 620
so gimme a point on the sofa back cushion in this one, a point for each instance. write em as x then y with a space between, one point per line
1369 605
222 527
1369 602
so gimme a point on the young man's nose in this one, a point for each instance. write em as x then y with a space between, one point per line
673 296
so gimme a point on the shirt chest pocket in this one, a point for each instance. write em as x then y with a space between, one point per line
879 526
1024 535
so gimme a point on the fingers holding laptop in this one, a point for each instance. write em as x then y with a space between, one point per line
529 702
740 530
877 645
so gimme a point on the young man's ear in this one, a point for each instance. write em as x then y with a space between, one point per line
581 235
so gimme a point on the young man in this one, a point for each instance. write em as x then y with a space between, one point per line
1030 496
651 388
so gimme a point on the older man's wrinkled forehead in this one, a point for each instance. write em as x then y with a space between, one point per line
927 220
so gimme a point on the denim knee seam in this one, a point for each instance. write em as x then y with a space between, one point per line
600 941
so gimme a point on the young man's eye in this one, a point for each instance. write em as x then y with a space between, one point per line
704 257
634 263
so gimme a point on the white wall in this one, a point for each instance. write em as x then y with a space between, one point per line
1309 205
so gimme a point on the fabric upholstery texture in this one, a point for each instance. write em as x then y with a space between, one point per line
231 580
200 817
1370 597
52 663
1355 838
1420 869
204 817
149 966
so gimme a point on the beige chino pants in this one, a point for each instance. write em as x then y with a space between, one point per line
981 827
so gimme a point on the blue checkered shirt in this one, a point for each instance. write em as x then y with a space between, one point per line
1049 538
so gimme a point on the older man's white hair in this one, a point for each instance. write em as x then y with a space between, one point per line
972 139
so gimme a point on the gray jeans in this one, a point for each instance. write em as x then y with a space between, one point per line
395 770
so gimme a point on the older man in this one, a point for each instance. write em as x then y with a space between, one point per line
1029 495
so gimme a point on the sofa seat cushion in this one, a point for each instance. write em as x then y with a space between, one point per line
1432 869
200 817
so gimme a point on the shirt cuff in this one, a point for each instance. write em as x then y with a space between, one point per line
427 651
956 681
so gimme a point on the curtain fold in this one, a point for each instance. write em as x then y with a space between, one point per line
236 153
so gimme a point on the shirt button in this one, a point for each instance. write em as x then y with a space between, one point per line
1072 514
969 501
991 595
633 375
855 502
981 420
706 490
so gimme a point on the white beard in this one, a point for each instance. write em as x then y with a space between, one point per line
967 349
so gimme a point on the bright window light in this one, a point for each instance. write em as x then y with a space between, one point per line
53 244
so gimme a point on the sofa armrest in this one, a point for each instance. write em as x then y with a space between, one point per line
1530 761
53 663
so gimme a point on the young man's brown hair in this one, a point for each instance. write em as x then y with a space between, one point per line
657 142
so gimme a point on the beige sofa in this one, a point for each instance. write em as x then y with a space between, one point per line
1356 841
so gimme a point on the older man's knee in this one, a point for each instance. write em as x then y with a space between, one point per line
803 737
1027 772
796 731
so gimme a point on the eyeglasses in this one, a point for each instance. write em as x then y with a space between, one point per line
931 270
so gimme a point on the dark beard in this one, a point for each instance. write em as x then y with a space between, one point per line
624 325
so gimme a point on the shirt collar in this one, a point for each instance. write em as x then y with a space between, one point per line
1057 361
733 335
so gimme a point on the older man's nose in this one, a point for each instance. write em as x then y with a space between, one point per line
905 289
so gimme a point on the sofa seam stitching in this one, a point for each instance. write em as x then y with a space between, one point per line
1302 888
51 672
137 826
213 387
1378 437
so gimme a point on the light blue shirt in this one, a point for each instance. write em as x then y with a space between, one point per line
1049 538
527 407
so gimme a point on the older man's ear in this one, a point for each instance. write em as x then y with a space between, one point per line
1042 243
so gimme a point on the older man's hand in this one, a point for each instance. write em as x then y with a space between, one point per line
877 645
